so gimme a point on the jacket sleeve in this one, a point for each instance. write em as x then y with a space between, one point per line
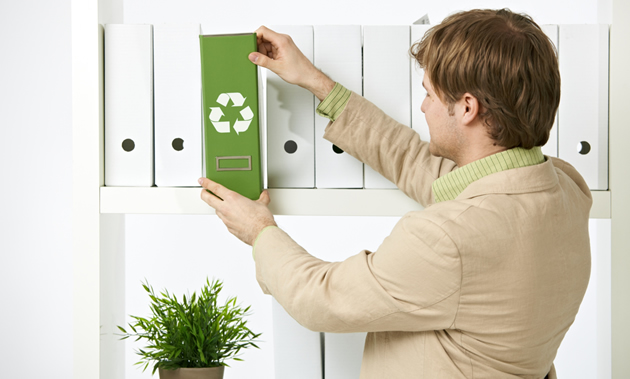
411 283
392 149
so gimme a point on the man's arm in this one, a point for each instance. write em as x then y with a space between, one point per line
364 131
278 53
392 149
411 283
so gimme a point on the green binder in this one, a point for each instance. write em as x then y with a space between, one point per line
230 109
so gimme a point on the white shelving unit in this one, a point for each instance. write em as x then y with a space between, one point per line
98 212
291 202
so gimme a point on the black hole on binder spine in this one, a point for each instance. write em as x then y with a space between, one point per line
584 147
337 150
178 144
128 145
290 147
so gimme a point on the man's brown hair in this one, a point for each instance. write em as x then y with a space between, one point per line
504 60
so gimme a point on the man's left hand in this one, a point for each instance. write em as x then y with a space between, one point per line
243 217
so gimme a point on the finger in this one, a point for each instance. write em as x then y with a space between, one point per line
265 34
260 31
264 198
211 199
214 187
264 48
269 42
267 49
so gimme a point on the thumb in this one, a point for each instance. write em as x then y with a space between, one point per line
262 60
264 198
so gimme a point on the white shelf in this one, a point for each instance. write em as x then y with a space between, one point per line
306 202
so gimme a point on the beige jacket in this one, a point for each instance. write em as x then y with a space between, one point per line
483 286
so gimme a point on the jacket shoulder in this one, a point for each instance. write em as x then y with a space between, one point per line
566 168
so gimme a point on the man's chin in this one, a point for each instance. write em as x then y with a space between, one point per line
434 150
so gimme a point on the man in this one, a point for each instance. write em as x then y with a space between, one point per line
485 282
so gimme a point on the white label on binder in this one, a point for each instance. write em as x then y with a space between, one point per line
418 93
386 81
551 147
583 112
128 105
297 350
338 54
178 123
291 123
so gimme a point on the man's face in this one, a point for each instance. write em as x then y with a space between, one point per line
445 136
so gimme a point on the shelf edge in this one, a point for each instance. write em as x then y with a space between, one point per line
290 202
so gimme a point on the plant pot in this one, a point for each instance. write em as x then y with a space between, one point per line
193 373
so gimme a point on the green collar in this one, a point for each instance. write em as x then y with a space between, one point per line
449 186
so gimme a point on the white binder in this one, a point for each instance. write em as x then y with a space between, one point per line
418 93
343 355
178 123
128 105
551 147
583 112
297 350
338 54
386 80
291 123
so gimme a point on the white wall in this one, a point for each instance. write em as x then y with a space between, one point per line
35 189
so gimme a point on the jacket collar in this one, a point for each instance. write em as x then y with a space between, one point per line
455 183
528 179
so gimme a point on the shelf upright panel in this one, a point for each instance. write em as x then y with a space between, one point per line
111 233
620 187
95 236
86 178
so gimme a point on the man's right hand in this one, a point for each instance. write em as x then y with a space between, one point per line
278 53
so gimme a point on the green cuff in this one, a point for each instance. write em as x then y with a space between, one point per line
260 234
334 104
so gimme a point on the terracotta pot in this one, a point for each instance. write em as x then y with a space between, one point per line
193 373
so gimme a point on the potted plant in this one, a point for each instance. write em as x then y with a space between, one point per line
191 338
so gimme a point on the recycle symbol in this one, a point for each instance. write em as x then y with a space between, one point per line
237 101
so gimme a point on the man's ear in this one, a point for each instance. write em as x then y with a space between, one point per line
471 109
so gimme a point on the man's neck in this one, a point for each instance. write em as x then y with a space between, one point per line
472 155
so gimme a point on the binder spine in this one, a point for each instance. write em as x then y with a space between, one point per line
128 105
386 82
551 147
583 111
291 123
178 122
337 52
231 114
